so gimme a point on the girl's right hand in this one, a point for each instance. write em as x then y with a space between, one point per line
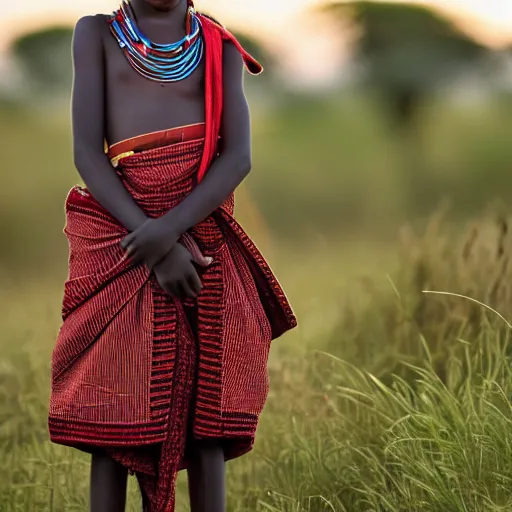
177 275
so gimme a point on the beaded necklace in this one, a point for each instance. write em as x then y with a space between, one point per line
158 62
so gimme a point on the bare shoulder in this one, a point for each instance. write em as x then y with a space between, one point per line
233 62
89 30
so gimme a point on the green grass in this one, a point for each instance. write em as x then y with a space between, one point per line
386 398
408 411
322 167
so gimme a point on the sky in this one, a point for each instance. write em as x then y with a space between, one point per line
289 24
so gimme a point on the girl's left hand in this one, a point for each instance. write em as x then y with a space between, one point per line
151 242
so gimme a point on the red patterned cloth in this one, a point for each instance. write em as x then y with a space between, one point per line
134 371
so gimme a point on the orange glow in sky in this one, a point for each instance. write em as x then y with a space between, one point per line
287 22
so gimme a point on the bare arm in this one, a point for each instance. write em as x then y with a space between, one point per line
88 118
234 162
225 174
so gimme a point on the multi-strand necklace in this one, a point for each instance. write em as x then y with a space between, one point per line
159 62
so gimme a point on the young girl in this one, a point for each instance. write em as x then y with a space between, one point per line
169 309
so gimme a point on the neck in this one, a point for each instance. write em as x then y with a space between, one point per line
159 8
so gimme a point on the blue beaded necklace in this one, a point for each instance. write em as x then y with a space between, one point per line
158 62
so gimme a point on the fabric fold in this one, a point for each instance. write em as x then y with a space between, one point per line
129 370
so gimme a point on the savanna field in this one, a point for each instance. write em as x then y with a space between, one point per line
394 394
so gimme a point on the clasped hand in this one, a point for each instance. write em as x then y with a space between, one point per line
150 242
155 244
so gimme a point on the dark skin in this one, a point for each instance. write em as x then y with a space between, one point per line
112 101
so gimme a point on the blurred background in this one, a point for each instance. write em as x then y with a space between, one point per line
382 145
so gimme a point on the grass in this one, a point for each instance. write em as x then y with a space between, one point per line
400 405
386 398
323 167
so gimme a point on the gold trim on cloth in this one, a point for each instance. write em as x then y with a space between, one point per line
115 161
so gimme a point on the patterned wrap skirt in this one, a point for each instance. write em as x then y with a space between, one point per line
138 373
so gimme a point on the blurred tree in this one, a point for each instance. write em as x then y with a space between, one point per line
45 59
257 50
407 51
251 44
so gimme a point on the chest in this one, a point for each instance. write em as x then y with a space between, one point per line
121 79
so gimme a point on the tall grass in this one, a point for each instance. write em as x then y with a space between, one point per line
415 417
386 398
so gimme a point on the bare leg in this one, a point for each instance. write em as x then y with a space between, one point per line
206 478
108 485
195 486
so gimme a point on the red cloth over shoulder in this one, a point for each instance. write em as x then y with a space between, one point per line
215 35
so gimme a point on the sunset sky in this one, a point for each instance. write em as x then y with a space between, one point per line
287 22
